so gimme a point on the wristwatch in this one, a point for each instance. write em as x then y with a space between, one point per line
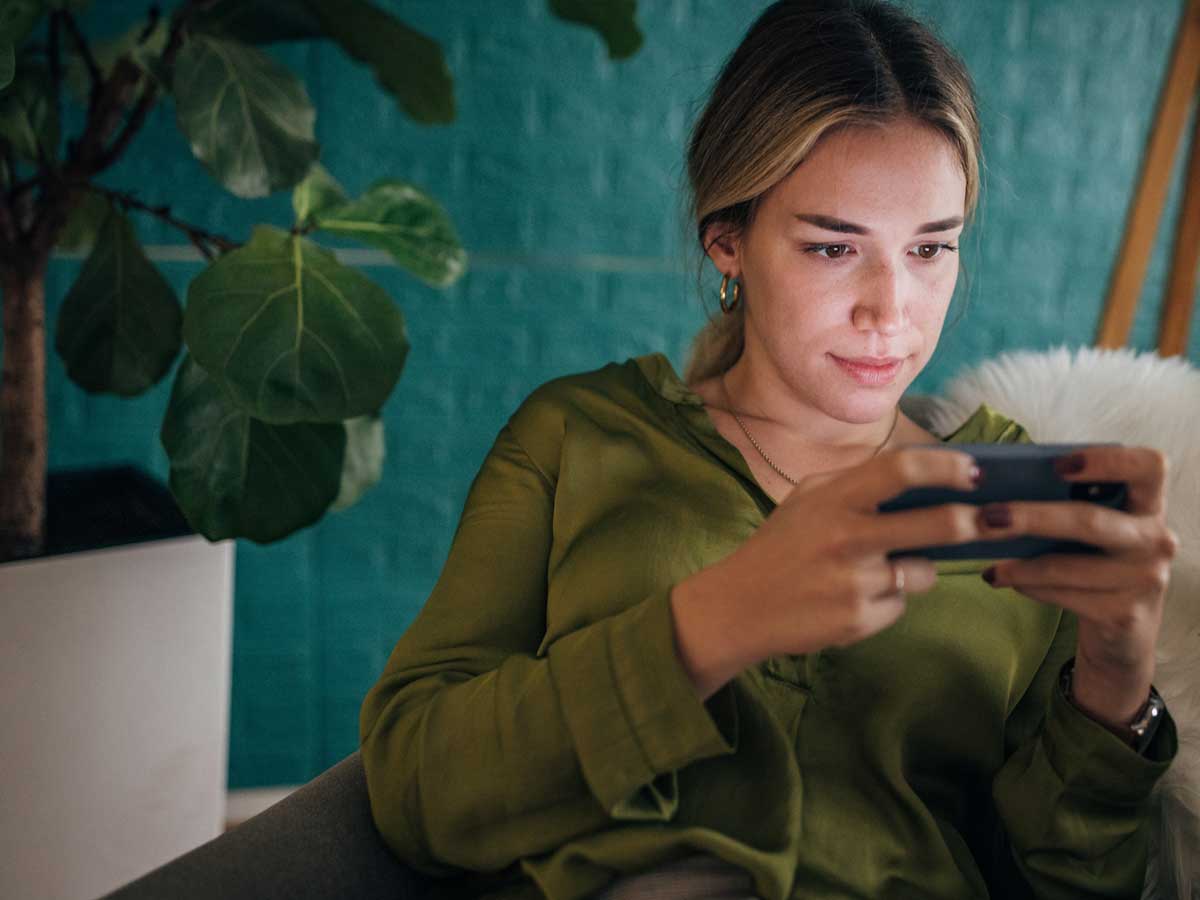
1139 732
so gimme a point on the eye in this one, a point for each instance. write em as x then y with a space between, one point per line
836 251
937 248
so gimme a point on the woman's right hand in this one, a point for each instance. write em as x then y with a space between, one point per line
815 573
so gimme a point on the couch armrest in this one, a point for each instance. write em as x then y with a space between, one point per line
319 841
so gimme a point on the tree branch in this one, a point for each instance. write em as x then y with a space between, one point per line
81 44
110 97
132 125
145 103
198 236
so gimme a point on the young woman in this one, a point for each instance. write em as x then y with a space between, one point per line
668 655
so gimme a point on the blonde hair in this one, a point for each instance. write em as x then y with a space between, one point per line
805 68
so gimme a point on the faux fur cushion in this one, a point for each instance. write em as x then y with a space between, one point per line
1138 399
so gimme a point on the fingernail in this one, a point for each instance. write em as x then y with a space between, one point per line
976 476
995 515
1070 464
989 575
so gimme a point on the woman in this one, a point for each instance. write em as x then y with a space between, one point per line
668 654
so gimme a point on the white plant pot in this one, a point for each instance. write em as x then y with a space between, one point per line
114 713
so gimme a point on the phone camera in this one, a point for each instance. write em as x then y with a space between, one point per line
1105 492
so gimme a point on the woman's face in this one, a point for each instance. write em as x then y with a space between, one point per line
849 256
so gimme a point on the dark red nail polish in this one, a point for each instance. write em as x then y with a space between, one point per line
996 515
1069 465
989 575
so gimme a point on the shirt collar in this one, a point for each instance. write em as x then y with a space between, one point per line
657 369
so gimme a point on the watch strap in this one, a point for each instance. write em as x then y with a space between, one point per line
1141 730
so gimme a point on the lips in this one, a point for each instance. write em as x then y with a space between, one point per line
871 360
870 375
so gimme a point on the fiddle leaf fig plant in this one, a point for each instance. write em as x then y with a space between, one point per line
283 357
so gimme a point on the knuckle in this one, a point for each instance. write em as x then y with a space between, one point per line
840 541
963 521
855 607
1160 576
859 588
1092 518
906 465
1168 543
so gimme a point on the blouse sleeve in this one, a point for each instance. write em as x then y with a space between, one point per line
1072 797
479 746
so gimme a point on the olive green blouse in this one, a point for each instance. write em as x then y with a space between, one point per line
535 726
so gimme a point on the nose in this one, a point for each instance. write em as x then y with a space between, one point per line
881 306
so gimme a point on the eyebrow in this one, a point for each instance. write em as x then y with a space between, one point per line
829 223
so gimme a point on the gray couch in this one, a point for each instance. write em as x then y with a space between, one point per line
319 841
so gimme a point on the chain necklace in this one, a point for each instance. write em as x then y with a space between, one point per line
762 453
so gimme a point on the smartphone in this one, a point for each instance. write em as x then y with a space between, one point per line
1010 472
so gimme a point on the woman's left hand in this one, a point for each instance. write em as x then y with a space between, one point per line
1118 596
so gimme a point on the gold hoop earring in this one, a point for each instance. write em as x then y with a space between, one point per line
736 291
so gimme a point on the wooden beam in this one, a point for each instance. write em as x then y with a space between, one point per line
1176 315
1133 258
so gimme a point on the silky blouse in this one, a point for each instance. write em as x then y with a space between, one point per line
535 734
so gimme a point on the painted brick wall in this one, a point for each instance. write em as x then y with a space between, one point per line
561 173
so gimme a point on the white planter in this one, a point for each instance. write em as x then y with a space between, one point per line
114 713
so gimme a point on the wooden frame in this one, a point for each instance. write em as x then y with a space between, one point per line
1179 89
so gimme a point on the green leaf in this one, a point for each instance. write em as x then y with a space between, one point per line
258 21
8 64
317 192
17 19
613 19
297 336
27 112
84 223
145 54
408 224
248 118
119 326
409 65
362 465
235 476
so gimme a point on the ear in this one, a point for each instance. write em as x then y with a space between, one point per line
724 248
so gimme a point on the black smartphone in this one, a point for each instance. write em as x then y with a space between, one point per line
1010 472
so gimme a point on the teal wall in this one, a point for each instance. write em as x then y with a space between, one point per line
561 174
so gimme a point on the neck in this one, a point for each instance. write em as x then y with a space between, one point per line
794 428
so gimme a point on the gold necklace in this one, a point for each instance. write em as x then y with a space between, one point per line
762 453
